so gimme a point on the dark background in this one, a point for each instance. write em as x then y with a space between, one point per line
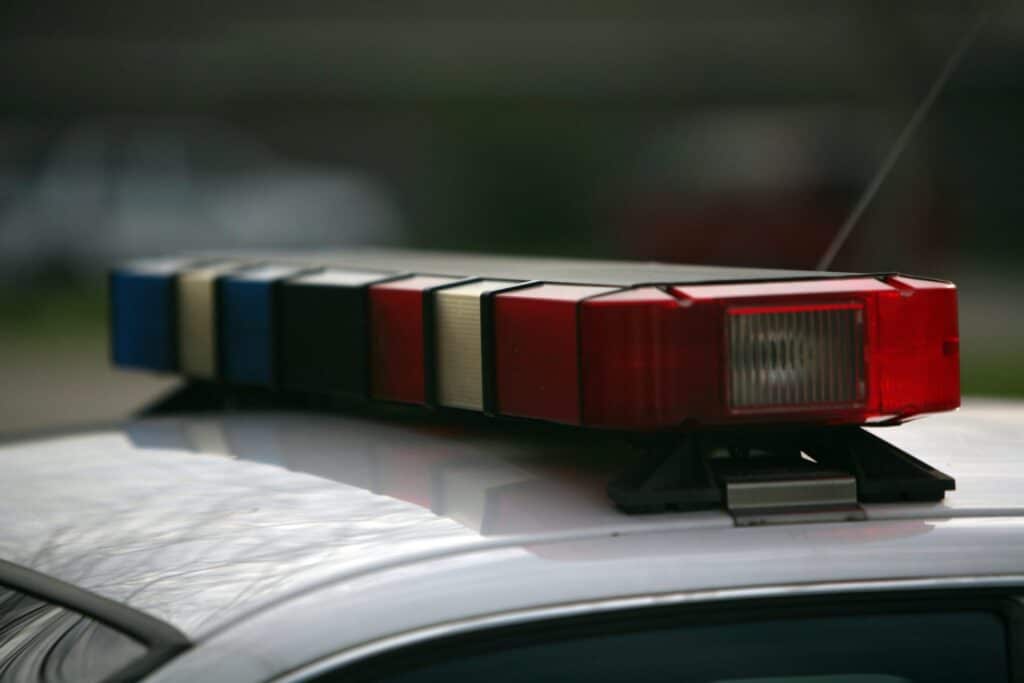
736 132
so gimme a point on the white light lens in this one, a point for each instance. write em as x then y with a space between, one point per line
795 356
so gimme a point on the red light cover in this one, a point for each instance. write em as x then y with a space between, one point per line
916 355
640 361
837 351
536 348
396 338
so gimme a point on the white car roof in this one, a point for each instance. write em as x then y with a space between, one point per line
334 531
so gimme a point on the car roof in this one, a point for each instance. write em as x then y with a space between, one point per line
215 522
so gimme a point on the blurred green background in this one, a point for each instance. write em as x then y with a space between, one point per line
736 132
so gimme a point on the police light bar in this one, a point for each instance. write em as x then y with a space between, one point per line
598 344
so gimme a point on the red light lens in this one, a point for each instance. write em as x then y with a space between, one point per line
916 355
642 362
841 351
536 346
396 338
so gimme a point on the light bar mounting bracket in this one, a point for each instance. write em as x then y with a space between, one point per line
776 476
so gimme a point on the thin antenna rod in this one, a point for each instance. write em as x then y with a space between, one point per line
901 142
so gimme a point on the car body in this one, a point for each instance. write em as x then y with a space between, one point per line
283 545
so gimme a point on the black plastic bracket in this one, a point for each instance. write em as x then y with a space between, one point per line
690 471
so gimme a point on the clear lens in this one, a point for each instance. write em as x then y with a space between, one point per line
795 356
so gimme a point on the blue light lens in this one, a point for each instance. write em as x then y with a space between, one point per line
246 319
143 315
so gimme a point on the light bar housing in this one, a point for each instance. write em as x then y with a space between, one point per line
592 345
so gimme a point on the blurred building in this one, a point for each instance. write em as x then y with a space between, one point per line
738 132
678 130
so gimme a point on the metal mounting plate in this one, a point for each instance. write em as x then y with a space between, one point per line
770 476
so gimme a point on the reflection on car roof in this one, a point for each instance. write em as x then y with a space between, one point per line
200 520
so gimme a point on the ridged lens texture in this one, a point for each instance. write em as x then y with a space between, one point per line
795 356
197 319
459 344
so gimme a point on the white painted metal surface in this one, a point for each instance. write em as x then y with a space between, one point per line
285 538
576 609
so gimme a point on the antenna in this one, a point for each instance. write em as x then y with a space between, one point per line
902 141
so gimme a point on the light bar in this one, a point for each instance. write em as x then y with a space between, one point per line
197 319
143 315
324 332
896 317
397 337
537 351
459 347
247 332
618 354
633 360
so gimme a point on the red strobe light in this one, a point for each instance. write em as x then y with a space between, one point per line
396 338
825 351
